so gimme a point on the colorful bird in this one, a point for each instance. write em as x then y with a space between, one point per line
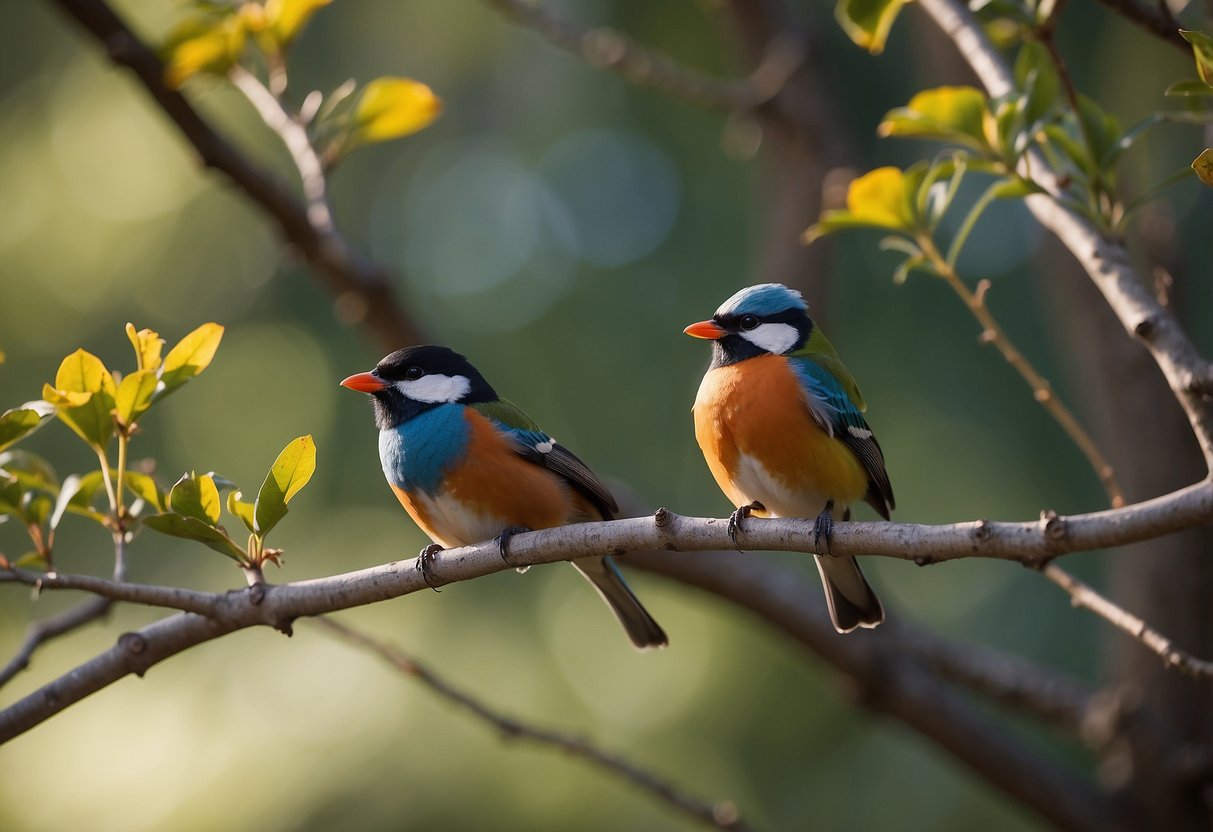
780 422
468 466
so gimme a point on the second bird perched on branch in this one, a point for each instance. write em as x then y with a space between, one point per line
468 465
780 422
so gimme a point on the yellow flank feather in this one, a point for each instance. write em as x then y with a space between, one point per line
762 443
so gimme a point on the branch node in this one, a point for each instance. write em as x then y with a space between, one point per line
1146 328
987 336
725 814
924 560
663 518
132 643
982 531
1055 526
256 594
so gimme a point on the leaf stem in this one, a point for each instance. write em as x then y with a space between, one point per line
121 477
993 333
106 478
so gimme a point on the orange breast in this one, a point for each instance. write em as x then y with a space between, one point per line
493 488
761 443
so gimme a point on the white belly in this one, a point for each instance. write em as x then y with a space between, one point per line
754 481
458 525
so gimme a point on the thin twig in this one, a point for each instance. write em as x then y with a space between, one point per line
608 48
993 333
40 632
297 142
86 612
1085 596
718 815
1106 261
348 274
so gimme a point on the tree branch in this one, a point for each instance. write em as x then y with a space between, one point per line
1156 19
1033 543
345 271
604 47
719 815
186 600
1105 261
1083 595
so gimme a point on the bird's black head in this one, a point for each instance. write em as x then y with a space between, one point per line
765 319
415 379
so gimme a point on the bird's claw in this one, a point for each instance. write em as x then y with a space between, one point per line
823 526
739 515
425 558
503 541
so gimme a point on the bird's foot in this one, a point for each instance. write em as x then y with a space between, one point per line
503 540
739 515
426 558
823 526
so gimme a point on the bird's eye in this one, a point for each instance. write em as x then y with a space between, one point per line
414 373
748 322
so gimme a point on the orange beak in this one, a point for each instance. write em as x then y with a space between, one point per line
364 383
706 329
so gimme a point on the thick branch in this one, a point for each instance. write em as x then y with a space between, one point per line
277 606
720 815
186 600
1106 262
346 272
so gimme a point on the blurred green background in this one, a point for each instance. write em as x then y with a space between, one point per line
560 227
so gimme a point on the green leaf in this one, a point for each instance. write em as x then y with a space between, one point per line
36 507
195 497
868 22
20 422
1037 78
83 372
191 528
902 273
189 357
67 492
31 470
1128 138
1102 128
289 473
285 19
1202 51
145 488
948 113
31 560
10 496
1071 146
135 395
243 510
1203 165
1182 88
81 502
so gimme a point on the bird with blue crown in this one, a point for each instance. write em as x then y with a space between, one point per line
780 422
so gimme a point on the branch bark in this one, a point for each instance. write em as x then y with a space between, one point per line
279 606
722 815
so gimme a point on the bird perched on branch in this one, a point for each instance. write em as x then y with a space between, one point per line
780 422
468 466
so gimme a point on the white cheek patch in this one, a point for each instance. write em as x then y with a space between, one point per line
435 388
774 338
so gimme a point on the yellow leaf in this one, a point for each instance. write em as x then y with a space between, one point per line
203 45
1203 165
942 112
285 19
394 107
83 372
63 398
191 356
135 395
867 22
879 198
147 344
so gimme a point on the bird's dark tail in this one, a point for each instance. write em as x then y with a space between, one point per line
851 600
640 626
